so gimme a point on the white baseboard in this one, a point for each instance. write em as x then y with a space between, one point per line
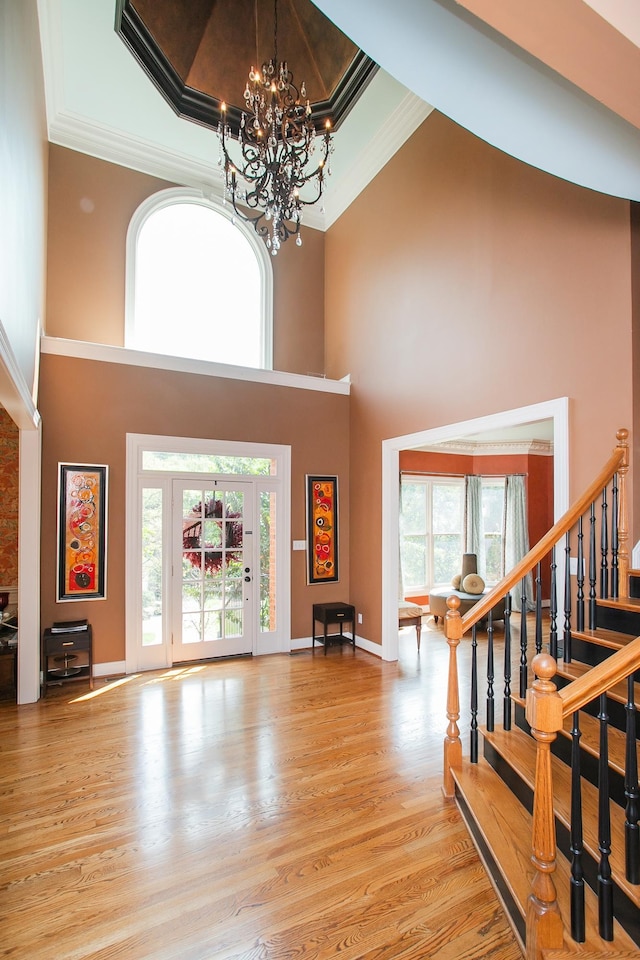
306 643
116 669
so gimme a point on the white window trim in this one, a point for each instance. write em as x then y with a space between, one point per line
277 642
557 410
174 195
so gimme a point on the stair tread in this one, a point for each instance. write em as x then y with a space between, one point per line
590 740
603 637
621 603
576 669
519 750
506 828
504 824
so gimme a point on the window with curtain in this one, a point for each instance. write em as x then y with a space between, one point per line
491 558
443 517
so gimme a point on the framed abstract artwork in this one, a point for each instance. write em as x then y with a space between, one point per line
82 532
322 529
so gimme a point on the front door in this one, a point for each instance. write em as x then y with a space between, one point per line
213 599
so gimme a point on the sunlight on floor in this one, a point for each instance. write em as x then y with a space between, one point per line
111 685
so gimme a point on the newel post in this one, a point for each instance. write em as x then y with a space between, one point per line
452 742
622 437
544 714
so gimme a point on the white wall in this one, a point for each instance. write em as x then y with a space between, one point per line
23 179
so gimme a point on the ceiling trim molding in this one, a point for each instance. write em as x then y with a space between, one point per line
492 448
103 142
103 353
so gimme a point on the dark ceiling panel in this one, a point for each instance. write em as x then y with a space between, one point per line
177 28
198 53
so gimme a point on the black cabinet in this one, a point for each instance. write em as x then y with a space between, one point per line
8 668
67 656
334 613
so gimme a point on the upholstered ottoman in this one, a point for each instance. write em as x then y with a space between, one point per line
438 602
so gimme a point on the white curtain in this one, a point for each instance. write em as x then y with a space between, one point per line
474 525
516 535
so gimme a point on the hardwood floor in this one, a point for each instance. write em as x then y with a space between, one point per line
281 807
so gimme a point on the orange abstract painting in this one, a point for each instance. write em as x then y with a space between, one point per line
322 529
82 497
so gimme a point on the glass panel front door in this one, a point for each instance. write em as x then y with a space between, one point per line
212 569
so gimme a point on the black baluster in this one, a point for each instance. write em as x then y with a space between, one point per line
490 676
473 751
604 548
605 883
576 842
592 568
614 538
507 663
538 609
632 809
580 579
523 640
553 608
567 600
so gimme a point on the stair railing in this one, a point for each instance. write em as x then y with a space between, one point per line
546 707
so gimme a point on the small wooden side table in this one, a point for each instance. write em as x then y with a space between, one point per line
334 613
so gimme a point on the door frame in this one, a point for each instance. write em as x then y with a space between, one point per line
556 410
264 643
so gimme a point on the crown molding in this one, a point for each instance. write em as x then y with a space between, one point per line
105 143
493 448
103 353
98 140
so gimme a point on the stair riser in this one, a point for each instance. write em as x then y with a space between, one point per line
625 912
634 586
624 621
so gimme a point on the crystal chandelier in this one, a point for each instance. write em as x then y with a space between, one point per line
277 144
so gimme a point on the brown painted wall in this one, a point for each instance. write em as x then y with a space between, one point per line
91 203
88 407
461 283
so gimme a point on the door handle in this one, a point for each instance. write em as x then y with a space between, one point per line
247 579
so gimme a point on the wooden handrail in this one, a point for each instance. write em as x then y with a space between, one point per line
601 678
619 460
546 706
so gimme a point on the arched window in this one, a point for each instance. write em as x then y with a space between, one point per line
198 285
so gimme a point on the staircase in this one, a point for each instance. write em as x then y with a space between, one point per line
549 792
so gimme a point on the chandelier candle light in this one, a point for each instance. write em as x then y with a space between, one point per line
278 141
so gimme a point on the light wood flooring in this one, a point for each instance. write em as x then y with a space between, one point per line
280 807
